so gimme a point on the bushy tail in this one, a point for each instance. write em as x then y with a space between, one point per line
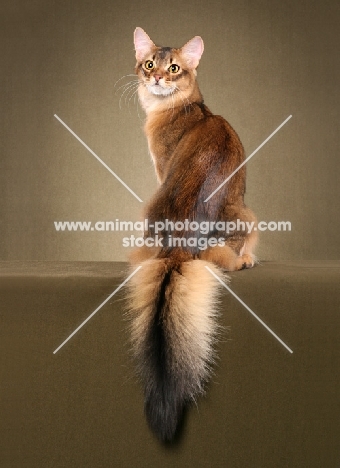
173 329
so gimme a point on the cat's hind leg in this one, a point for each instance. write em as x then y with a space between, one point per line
223 256
227 259
237 251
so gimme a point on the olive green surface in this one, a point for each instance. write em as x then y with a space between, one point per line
83 406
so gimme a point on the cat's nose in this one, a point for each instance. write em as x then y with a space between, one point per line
157 78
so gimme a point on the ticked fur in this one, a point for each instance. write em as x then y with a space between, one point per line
173 297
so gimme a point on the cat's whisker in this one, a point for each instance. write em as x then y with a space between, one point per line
129 91
137 101
125 76
138 105
133 95
127 84
126 90
134 99
128 102
131 88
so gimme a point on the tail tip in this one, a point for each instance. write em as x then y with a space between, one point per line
164 419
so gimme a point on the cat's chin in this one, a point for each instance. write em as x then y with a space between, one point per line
158 90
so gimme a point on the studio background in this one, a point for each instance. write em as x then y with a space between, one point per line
263 61
82 406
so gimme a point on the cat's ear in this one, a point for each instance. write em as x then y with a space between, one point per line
143 44
192 51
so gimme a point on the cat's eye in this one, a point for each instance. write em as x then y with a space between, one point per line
149 65
173 68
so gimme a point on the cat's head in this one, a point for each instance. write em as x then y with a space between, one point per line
165 71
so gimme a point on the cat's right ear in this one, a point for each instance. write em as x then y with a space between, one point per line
143 44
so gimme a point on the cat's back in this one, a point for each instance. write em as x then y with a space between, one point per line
195 120
211 132
187 137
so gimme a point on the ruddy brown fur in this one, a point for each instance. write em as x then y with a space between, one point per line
173 297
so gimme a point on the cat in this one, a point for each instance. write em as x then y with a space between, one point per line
173 298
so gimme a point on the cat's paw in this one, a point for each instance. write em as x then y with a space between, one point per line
245 261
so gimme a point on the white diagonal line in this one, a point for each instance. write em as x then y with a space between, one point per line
99 307
246 160
98 158
249 310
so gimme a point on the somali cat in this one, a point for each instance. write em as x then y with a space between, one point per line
173 298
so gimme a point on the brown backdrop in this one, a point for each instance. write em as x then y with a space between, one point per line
263 61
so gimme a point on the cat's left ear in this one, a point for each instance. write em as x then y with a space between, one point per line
192 51
143 44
